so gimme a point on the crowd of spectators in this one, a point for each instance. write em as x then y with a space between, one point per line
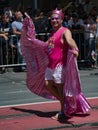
80 18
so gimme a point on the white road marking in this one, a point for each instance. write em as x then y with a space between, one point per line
37 103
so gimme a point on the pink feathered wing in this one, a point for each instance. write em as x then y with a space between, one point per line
36 57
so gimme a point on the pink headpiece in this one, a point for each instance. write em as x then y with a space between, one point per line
59 12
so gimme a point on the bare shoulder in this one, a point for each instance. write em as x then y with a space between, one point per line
67 33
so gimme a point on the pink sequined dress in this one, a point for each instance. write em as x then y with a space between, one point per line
35 53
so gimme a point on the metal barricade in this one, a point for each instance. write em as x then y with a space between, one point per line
3 52
11 51
87 48
97 51
78 36
10 57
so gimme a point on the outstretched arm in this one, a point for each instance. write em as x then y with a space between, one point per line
67 36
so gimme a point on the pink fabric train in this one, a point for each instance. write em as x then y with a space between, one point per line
36 58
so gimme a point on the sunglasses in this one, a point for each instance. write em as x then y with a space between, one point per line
55 18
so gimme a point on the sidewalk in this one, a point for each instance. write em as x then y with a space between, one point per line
38 117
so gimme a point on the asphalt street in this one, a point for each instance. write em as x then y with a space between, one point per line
13 89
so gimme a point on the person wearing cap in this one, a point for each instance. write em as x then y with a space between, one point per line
52 66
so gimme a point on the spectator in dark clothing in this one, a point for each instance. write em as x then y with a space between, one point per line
75 24
5 32
41 24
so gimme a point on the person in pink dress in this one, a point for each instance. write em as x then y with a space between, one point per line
52 70
59 42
